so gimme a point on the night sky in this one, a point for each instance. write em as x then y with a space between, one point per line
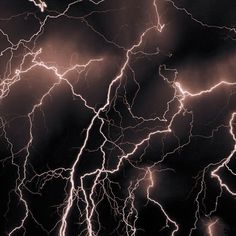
117 117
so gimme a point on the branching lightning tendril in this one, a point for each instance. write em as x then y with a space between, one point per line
85 191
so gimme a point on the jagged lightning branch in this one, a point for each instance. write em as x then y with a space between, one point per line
129 213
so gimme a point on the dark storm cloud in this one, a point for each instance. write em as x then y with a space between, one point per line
41 138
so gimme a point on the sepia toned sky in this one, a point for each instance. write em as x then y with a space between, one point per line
117 117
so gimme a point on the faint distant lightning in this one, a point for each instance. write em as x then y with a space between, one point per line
168 219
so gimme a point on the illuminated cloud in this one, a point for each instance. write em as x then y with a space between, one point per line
117 118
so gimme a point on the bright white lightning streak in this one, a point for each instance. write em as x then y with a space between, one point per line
72 189
181 95
210 227
61 77
42 5
227 160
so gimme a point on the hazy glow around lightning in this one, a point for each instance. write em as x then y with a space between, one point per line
98 128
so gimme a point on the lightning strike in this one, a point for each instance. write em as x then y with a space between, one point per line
121 175
210 227
40 4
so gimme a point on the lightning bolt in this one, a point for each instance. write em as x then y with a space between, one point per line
40 4
86 190
210 227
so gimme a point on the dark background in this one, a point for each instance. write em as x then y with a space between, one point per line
201 48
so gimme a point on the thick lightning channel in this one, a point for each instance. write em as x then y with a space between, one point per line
126 208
